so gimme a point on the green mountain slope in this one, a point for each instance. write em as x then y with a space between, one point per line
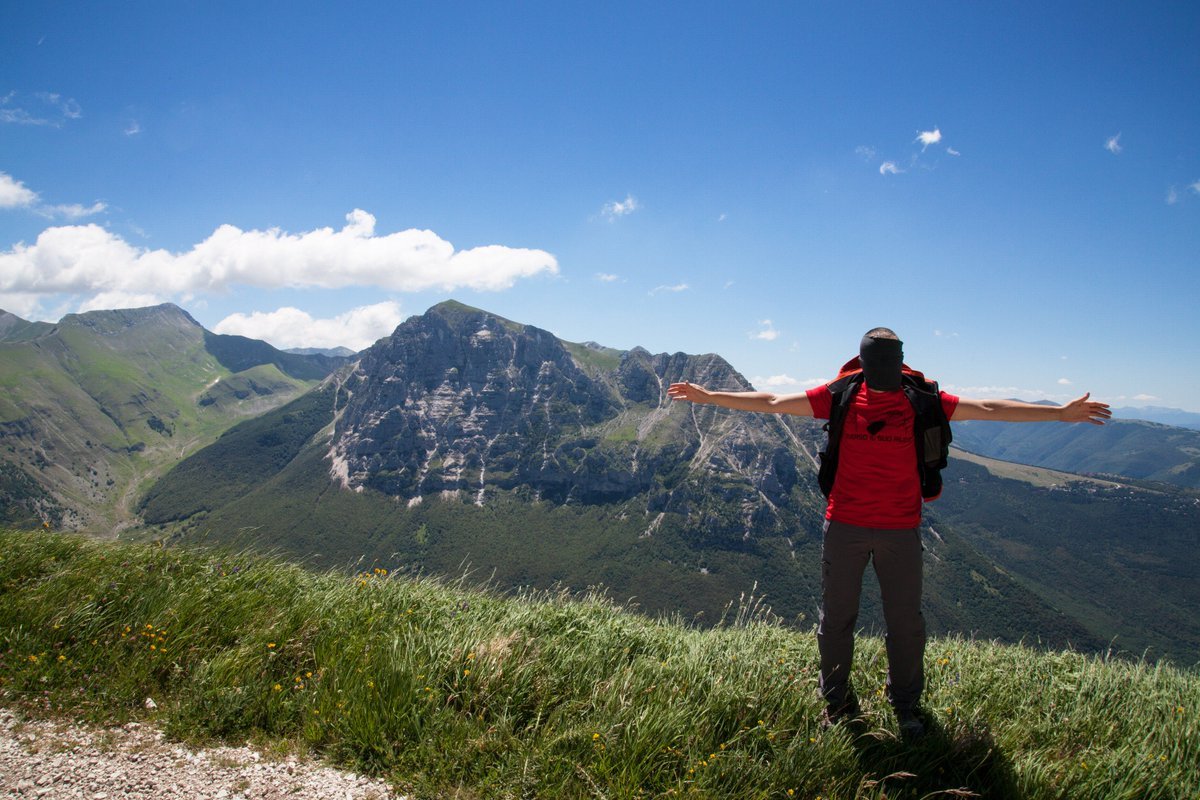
13 328
1132 448
1119 560
96 407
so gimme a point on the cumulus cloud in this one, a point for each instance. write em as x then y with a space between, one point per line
927 138
679 287
25 305
87 259
1113 144
766 332
1144 397
14 194
889 168
1064 382
288 327
607 277
616 209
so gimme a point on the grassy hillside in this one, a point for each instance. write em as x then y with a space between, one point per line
456 693
96 407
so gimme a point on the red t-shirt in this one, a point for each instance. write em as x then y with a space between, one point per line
877 485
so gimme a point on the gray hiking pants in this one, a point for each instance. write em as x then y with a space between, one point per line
897 558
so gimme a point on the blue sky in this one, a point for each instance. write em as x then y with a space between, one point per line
1014 188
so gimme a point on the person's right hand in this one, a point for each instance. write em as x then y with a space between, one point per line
687 391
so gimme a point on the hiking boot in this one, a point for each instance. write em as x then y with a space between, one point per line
912 727
836 714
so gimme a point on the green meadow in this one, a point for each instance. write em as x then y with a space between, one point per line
451 691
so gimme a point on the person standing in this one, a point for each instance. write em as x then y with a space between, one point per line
873 512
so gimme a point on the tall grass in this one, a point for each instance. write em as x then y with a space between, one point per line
451 692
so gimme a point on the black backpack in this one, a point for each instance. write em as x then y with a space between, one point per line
931 429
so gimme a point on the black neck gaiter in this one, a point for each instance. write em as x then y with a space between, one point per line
881 362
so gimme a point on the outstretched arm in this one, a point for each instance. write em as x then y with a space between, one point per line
1078 410
765 402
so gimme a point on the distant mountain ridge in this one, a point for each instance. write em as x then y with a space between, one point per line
1176 417
1126 447
336 352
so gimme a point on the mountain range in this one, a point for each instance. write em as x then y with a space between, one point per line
472 446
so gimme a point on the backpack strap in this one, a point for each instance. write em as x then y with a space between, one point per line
843 391
931 432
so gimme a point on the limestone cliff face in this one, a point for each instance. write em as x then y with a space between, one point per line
460 400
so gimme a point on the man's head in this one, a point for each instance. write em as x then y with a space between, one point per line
882 355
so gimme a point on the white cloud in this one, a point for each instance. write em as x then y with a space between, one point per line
615 209
889 168
14 194
24 305
723 217
785 382
50 110
766 332
133 128
1002 392
1064 382
87 259
1144 397
679 287
72 211
1113 144
1195 187
607 277
288 327
940 334
953 152
927 138
865 153
64 105
107 300
1172 196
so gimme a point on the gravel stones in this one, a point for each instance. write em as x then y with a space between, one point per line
56 759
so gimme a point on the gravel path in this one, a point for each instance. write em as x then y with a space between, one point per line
51 759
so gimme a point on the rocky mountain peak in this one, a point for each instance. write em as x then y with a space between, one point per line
118 320
459 400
